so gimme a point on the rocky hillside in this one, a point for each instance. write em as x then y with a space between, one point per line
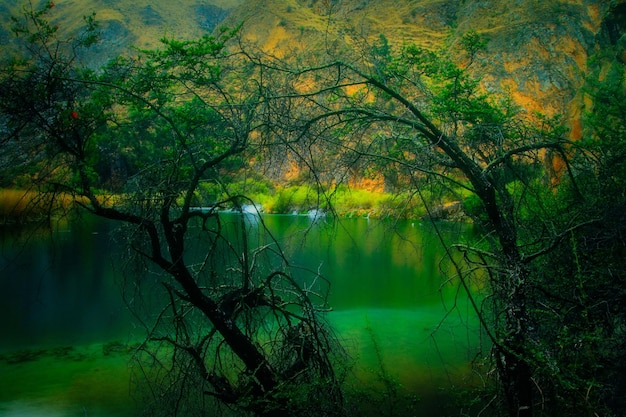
538 49
126 23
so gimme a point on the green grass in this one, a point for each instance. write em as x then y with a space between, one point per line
26 205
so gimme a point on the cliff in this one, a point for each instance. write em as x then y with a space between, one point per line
538 50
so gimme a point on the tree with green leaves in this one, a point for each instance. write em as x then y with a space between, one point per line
154 140
423 116
580 299
139 142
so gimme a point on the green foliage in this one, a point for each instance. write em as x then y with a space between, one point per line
473 43
160 129
434 124
47 118
605 138
357 203
41 37
296 198
578 305
474 208
170 129
456 94
345 202
381 55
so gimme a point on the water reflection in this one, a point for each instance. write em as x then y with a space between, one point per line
390 298
60 288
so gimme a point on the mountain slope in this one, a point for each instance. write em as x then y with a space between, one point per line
123 23
537 50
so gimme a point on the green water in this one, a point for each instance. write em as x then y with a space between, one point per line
393 307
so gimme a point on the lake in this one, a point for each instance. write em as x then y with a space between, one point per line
66 329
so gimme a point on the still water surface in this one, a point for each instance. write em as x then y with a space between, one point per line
393 307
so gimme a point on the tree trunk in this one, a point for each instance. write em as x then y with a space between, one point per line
241 345
516 372
518 386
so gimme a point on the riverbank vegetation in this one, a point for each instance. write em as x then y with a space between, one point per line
19 206
342 201
173 131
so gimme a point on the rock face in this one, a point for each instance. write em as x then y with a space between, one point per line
115 38
210 16
125 23
150 16
538 50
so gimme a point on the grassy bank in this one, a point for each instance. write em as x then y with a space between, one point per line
344 201
19 206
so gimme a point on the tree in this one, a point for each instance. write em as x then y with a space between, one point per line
423 116
162 134
236 324
581 297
